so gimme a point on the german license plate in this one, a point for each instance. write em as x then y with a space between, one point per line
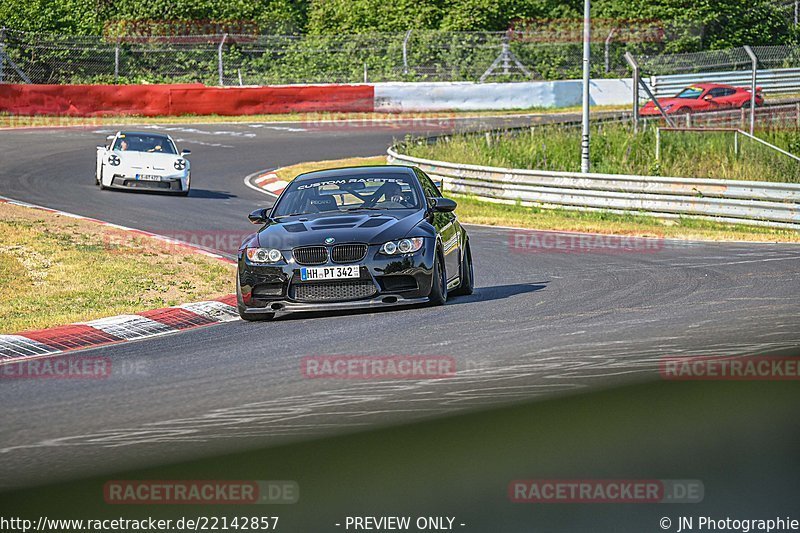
334 272
148 177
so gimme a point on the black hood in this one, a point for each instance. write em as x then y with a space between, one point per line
371 227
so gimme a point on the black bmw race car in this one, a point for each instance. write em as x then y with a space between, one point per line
350 238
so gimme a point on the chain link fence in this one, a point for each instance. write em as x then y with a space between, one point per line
236 59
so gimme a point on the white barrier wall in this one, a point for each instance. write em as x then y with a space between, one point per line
469 96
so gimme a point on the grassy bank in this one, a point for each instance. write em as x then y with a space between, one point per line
615 150
474 211
27 121
57 270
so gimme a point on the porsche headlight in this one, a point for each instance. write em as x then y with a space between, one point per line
264 255
403 246
179 164
114 160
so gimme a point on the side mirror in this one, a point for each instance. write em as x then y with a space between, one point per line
443 205
708 97
185 152
259 216
110 137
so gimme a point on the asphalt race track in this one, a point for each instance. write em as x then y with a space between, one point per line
539 324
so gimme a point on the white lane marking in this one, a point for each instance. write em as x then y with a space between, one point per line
218 311
248 182
17 346
130 327
203 143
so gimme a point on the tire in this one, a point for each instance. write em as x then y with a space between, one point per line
467 285
183 193
438 295
682 111
100 179
241 308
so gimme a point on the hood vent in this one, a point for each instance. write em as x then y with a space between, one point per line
296 227
374 222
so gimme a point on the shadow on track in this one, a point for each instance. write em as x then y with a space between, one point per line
211 195
481 294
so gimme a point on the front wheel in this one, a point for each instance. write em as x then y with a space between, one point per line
466 287
438 294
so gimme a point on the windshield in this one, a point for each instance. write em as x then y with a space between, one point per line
691 93
134 142
347 194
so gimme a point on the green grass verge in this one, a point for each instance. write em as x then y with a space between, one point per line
474 211
615 150
56 270
25 121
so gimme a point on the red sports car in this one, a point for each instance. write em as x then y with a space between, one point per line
704 97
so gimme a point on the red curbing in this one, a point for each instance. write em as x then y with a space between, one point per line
123 328
47 342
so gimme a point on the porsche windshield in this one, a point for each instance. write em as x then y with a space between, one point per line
345 194
134 142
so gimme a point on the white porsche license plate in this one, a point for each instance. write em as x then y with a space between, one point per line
334 272
148 177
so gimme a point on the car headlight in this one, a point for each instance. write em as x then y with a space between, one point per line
264 255
403 246
179 164
114 160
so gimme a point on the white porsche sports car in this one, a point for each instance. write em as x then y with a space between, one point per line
136 160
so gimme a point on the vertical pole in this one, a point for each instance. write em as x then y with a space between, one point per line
736 142
365 72
405 52
796 6
2 54
587 35
689 120
797 113
754 61
607 55
635 67
219 58
116 62
658 144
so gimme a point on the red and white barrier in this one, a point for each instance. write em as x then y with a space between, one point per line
192 99
197 99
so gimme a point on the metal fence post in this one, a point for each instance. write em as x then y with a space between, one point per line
736 143
219 58
635 67
754 60
405 52
2 54
116 62
658 143
607 55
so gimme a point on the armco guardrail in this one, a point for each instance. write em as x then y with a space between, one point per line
743 202
773 81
